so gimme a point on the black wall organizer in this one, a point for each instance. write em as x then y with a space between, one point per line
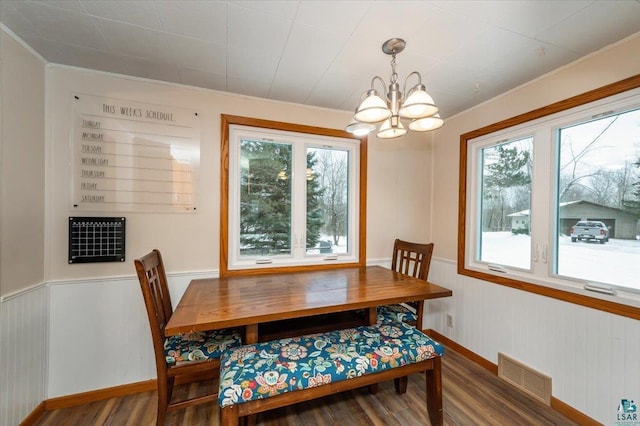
96 239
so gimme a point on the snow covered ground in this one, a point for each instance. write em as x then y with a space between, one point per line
616 262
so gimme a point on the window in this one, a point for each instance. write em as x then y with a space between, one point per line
293 197
550 200
597 204
506 196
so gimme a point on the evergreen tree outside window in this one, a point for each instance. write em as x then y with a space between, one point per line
315 218
506 189
265 198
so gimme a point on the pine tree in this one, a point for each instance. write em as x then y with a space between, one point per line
633 206
265 199
315 218
509 170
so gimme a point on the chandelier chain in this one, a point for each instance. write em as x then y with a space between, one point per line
394 74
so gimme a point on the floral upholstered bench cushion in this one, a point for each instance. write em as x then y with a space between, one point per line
396 313
200 345
271 368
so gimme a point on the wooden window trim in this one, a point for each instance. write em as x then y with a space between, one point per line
567 296
226 121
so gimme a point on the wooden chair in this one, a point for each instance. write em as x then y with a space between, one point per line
194 354
412 259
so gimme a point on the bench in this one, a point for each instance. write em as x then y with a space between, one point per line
263 376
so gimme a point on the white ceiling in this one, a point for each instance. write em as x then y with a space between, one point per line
323 53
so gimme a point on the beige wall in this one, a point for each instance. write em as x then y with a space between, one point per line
607 66
398 175
22 166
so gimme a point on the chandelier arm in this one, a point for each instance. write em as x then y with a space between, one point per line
377 78
404 88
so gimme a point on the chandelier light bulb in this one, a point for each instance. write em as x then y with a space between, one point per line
360 129
373 109
418 105
392 128
426 124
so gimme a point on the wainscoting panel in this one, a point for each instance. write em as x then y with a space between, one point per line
99 333
592 356
23 333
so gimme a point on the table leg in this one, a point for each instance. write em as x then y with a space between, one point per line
372 314
250 334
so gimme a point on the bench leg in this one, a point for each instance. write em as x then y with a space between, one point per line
373 389
401 385
229 416
433 379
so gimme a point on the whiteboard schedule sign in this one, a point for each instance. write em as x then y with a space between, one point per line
131 156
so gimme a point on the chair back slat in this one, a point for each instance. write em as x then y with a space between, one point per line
412 259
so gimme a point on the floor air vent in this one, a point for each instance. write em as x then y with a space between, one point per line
525 378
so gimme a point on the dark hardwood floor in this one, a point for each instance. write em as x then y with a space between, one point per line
471 395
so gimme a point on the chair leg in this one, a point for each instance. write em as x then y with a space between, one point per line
401 385
165 389
373 389
433 380
162 406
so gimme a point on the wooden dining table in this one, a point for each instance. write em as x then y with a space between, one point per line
251 300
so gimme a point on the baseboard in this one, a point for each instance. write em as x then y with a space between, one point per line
35 415
99 395
464 351
572 413
102 394
561 407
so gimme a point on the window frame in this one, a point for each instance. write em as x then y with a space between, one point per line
360 241
536 284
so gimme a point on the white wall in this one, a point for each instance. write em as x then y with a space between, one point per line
23 351
100 333
592 356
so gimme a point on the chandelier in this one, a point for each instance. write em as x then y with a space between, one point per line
415 107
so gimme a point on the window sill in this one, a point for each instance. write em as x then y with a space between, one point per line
626 304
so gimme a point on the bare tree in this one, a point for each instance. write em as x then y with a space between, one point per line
602 187
625 180
570 175
333 173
